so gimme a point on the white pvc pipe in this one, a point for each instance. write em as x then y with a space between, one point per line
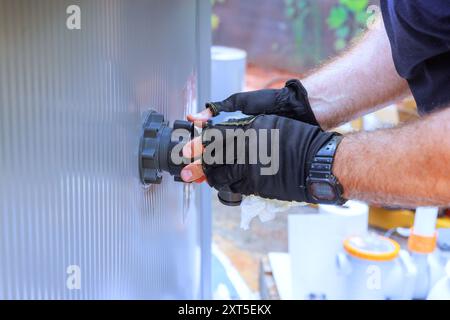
425 221
228 67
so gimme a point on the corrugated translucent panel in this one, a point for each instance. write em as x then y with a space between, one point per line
75 222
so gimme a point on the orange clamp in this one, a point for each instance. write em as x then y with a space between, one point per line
421 244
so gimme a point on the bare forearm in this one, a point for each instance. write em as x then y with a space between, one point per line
407 166
361 81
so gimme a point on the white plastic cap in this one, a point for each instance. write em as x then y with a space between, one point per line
227 54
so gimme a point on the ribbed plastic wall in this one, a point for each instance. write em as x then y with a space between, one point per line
75 222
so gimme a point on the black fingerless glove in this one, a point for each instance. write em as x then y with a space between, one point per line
291 102
297 145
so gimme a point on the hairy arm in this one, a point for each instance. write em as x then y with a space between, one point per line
357 83
406 166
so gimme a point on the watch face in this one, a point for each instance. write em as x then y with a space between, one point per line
322 191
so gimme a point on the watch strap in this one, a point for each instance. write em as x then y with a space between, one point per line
321 168
322 163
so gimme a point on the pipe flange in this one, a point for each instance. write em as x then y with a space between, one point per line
149 166
156 146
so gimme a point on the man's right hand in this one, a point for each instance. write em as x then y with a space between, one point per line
235 163
290 102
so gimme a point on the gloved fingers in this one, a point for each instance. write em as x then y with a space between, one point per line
228 105
193 149
225 175
199 119
193 172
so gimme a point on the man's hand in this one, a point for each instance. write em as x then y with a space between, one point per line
405 167
291 102
291 143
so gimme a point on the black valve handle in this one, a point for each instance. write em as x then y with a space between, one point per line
156 146
228 198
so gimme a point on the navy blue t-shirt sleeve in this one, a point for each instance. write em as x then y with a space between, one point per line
419 32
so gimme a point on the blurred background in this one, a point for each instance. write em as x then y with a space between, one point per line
262 44
282 39
292 35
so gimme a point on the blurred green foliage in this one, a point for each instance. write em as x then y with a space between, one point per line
215 20
319 27
306 19
348 19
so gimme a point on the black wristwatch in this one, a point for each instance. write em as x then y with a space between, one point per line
323 186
